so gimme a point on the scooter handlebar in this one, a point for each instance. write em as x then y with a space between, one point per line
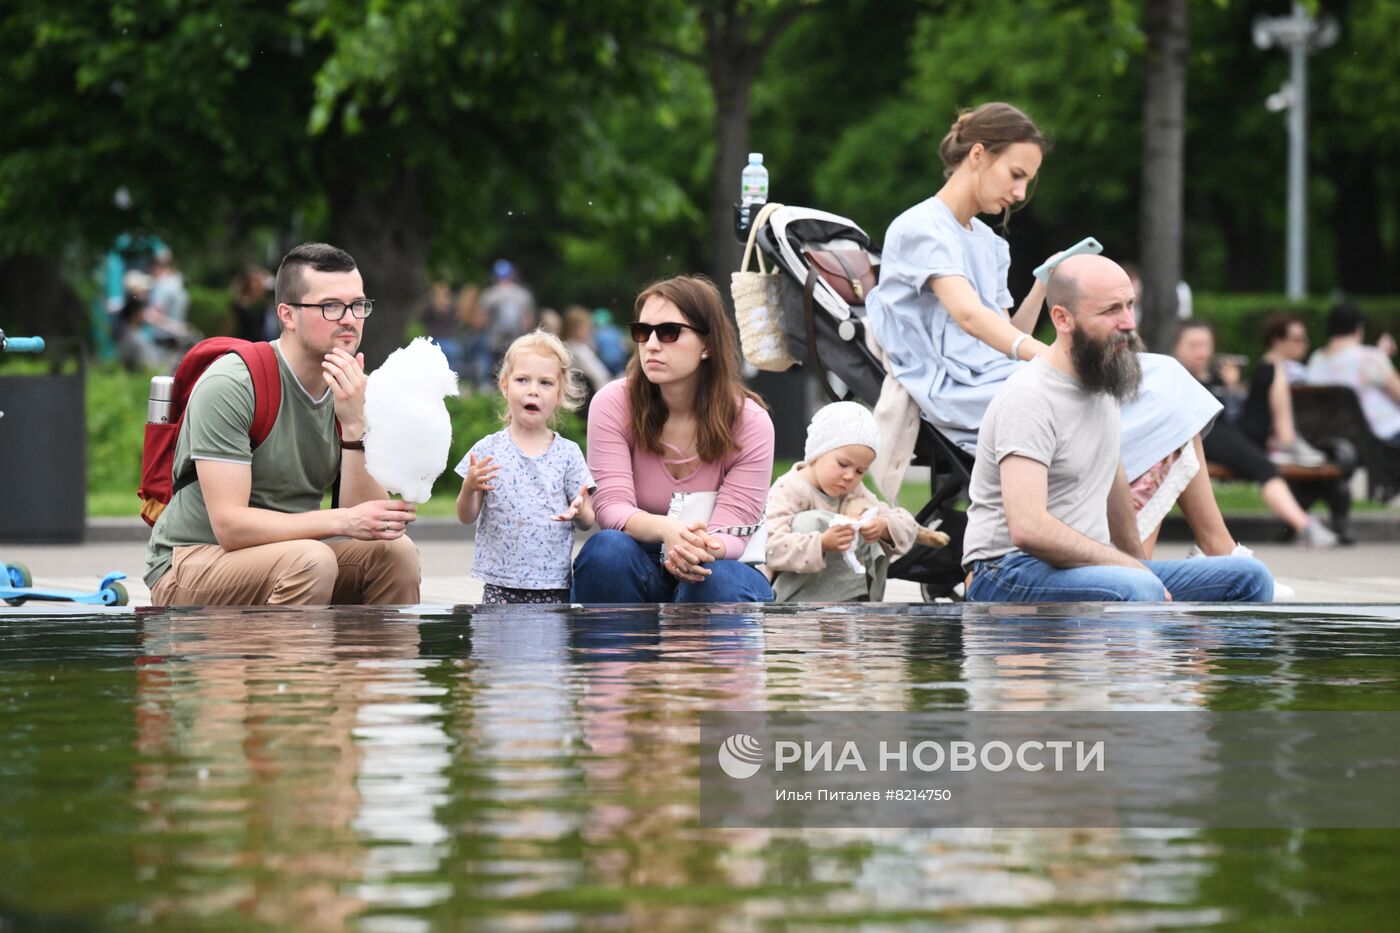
22 344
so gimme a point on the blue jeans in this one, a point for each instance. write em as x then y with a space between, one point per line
614 567
1020 578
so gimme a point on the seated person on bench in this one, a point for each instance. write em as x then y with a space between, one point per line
1051 518
1228 445
1346 361
1268 406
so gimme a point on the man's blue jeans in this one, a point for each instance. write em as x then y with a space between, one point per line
1020 578
613 567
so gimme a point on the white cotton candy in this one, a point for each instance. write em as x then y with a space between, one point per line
850 552
408 428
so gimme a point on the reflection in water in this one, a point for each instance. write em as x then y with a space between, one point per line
523 739
290 752
537 768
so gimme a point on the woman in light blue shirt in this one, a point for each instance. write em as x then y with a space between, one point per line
944 316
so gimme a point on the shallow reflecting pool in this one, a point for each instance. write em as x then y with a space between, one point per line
528 769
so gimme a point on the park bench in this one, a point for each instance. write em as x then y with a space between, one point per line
1328 472
1331 419
1309 484
1325 414
1327 483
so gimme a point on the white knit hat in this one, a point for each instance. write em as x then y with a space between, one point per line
839 424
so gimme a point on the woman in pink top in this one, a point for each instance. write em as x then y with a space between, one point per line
680 422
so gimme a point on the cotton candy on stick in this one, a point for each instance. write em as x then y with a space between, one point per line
408 428
850 553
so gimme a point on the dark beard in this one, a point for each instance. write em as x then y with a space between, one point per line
1111 367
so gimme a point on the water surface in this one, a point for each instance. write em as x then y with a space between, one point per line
534 769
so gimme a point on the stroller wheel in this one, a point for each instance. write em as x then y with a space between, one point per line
932 593
115 595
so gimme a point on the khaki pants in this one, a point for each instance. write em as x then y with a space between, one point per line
342 571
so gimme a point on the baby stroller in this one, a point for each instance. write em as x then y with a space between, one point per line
834 263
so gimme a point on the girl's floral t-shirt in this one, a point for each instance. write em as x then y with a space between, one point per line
518 544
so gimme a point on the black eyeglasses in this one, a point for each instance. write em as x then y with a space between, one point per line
335 310
669 332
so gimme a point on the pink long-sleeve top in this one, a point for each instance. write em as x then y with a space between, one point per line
631 480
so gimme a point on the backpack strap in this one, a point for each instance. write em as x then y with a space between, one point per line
261 360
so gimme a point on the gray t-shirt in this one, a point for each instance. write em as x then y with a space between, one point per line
292 468
1045 415
518 544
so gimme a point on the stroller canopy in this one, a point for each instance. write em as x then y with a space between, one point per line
792 230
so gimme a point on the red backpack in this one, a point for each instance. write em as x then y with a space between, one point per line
158 483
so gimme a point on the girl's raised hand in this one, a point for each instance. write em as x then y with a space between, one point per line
480 474
572 511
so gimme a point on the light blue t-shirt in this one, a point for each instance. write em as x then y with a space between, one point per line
951 374
518 544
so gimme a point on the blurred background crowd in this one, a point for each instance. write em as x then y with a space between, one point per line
143 317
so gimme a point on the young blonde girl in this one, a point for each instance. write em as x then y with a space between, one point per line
526 486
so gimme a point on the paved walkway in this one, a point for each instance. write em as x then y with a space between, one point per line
1364 573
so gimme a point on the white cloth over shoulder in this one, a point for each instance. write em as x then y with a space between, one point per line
1172 408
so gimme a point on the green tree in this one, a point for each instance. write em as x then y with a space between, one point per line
171 102
439 117
1356 139
382 126
1163 163
729 41
1074 67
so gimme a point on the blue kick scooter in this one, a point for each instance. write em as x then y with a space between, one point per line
16 582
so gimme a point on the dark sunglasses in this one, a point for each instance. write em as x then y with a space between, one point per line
669 332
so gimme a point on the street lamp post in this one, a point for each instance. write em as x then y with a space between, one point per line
1300 35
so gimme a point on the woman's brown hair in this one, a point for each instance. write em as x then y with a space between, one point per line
1276 327
995 126
719 398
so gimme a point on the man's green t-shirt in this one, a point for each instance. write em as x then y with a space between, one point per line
292 469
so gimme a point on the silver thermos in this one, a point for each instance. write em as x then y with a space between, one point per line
158 405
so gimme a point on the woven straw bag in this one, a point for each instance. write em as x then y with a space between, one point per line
758 307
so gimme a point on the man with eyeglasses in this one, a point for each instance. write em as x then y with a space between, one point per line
250 529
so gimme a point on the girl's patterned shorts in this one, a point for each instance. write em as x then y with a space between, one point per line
505 595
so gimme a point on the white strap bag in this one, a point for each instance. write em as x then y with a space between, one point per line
758 307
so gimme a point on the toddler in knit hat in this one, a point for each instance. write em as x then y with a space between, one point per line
823 523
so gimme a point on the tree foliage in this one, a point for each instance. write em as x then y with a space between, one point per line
584 139
197 110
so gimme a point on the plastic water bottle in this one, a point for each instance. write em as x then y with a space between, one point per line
753 187
158 403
